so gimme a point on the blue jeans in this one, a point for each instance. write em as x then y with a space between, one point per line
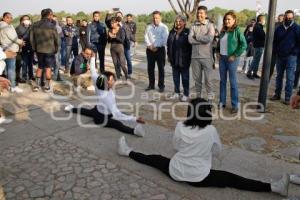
231 68
63 52
297 72
11 71
185 78
255 62
27 65
128 59
287 64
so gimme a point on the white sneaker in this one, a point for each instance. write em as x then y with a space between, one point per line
2 130
295 178
174 96
4 120
123 148
282 186
16 90
139 131
68 108
184 99
91 88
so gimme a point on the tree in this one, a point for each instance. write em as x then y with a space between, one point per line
186 7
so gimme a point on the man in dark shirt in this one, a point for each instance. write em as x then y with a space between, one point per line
286 46
130 28
259 36
80 68
45 41
83 34
97 38
71 34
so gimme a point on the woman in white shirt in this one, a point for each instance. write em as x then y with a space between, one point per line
195 140
106 112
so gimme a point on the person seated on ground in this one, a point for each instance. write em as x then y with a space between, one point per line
106 112
295 103
195 140
80 69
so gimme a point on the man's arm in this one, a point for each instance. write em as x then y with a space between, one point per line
93 70
207 38
192 37
12 36
165 36
146 36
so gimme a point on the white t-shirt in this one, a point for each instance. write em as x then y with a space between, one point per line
106 99
224 45
192 162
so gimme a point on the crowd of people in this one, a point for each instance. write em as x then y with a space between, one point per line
54 45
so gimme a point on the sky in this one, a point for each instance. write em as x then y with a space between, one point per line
18 7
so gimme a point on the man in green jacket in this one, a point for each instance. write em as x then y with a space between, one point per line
45 41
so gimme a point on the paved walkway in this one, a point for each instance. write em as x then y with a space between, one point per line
43 158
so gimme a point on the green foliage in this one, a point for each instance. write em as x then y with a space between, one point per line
142 20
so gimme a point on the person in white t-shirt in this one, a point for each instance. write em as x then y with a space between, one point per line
106 112
196 140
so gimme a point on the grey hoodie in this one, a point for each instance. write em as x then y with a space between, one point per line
8 37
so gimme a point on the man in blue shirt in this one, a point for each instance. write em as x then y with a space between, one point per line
286 46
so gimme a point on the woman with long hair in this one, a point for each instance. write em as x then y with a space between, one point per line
231 46
118 39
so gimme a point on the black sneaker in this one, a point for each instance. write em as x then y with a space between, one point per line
250 76
20 80
286 102
275 97
149 88
255 76
234 110
161 90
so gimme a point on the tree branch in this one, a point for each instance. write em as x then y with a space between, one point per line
173 7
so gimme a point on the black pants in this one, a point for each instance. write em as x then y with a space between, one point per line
99 50
272 67
215 178
158 57
99 118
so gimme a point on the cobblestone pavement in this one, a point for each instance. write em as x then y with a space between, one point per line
51 168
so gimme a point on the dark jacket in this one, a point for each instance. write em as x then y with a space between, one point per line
44 37
287 41
79 65
121 38
24 33
83 36
248 34
130 28
179 50
96 33
71 34
259 36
